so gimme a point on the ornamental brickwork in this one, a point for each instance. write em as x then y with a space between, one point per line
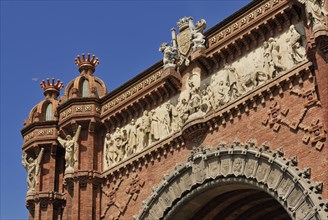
231 123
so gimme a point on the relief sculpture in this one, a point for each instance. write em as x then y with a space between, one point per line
197 37
201 97
296 50
32 167
71 147
110 153
316 14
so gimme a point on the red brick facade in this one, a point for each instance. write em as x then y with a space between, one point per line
284 116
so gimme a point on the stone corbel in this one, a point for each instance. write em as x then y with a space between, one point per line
92 125
53 150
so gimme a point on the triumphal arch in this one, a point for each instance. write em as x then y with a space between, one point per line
231 124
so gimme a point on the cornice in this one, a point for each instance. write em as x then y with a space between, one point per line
154 68
147 94
38 124
45 198
239 37
83 176
245 22
232 17
78 100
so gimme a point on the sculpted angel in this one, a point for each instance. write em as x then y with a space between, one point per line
32 167
71 150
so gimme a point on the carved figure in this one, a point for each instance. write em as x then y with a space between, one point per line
268 62
32 167
174 116
155 126
207 100
119 144
165 122
183 110
296 50
131 138
194 97
71 150
211 96
316 14
253 79
169 55
109 151
223 96
299 53
196 35
144 130
276 57
140 135
232 80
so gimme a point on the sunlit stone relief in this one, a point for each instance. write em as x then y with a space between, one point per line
274 58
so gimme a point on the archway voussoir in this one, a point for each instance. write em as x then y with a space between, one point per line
241 164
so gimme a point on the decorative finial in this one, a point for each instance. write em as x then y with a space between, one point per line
86 63
50 87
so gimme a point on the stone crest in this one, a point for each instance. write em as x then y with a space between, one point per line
183 38
190 37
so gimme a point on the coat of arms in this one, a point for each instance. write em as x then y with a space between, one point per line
190 37
183 41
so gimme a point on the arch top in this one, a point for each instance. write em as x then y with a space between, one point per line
243 163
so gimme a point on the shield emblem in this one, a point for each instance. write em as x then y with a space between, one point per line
183 40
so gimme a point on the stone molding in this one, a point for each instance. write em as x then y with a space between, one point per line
45 198
235 40
83 176
247 19
243 163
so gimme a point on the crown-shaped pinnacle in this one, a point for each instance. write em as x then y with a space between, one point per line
183 23
50 86
86 62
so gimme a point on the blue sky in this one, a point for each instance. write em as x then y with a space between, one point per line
40 39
